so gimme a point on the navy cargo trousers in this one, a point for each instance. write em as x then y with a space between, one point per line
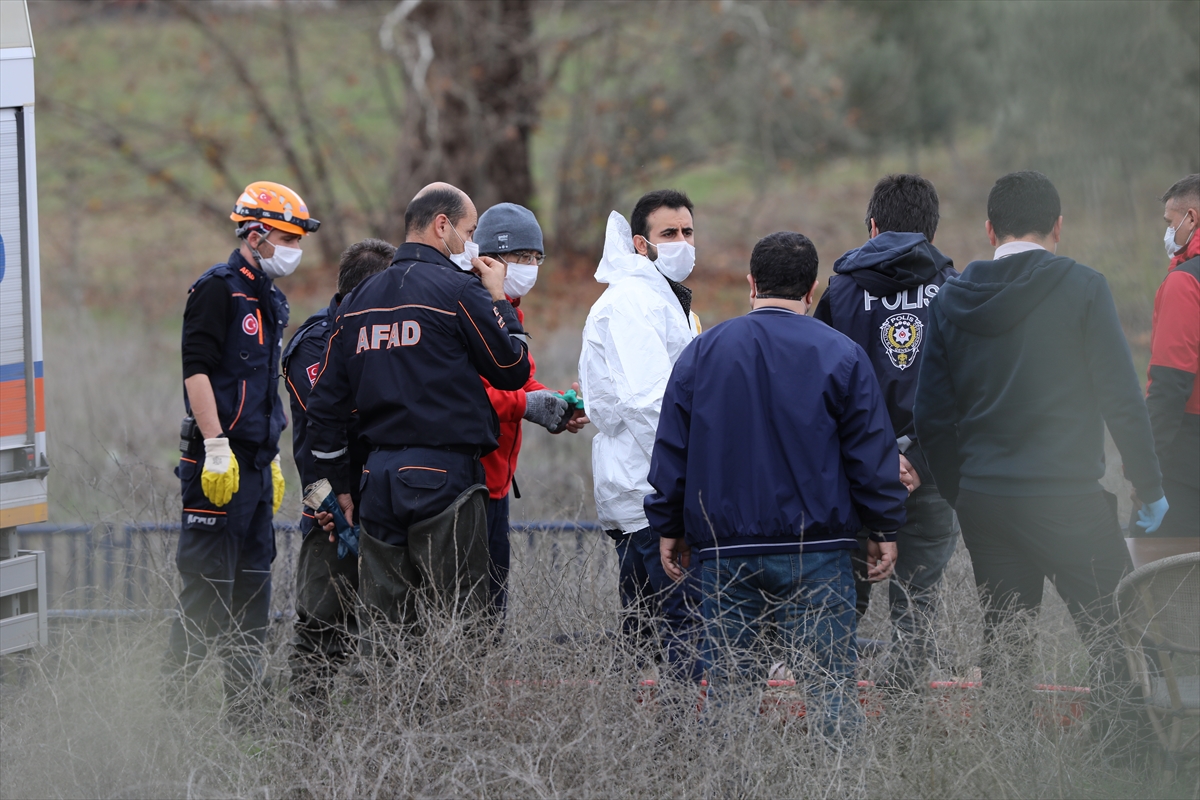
224 561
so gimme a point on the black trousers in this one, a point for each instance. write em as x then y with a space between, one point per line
326 588
224 561
1075 541
1183 517
500 554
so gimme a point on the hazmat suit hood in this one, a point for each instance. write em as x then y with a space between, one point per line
991 297
620 259
893 262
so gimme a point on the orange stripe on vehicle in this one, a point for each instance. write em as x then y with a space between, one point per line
485 344
12 407
397 308
23 515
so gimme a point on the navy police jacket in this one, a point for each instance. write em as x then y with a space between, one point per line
407 351
773 439
246 381
879 296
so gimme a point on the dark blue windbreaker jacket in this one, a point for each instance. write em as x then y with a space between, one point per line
301 362
879 296
774 438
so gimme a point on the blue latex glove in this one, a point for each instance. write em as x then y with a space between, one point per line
1150 515
320 497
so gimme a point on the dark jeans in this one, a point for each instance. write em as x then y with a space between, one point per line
326 627
1075 541
224 561
655 609
924 547
807 601
499 553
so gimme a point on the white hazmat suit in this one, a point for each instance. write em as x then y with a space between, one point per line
632 337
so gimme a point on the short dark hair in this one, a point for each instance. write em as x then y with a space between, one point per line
653 201
904 204
360 261
423 209
784 265
1022 203
1187 188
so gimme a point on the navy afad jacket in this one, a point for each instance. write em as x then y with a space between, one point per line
879 296
407 351
301 363
246 381
773 438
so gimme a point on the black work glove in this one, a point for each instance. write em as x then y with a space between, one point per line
548 409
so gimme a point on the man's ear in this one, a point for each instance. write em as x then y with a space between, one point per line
874 228
645 249
991 233
1056 231
753 288
808 299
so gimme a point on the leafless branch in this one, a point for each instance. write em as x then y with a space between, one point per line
115 138
252 87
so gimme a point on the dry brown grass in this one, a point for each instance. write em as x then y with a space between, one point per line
553 710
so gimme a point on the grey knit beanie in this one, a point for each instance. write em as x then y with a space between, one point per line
507 228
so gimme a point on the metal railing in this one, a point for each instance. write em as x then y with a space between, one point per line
117 570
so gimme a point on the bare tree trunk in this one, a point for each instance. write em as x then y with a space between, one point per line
473 98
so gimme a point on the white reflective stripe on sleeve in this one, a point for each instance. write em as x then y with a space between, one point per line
328 456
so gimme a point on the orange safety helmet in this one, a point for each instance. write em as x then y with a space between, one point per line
276 206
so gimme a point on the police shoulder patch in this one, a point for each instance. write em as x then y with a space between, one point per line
901 335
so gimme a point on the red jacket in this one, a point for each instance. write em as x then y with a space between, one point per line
1173 390
501 464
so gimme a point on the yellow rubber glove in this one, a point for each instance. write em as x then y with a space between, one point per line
220 479
277 482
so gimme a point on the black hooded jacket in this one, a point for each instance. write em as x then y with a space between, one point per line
1025 361
879 297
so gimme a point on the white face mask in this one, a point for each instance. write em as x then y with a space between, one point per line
1169 239
675 260
519 279
470 251
283 261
